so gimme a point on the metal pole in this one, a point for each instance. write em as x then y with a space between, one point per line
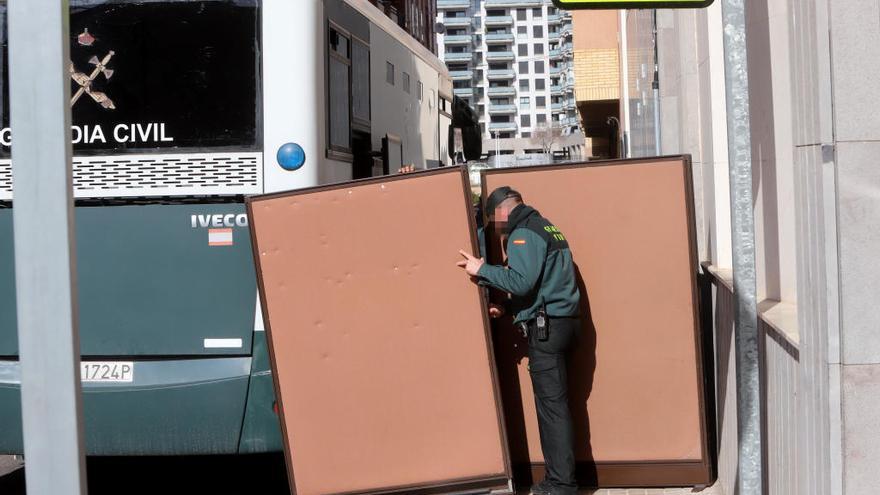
624 87
748 385
44 253
655 87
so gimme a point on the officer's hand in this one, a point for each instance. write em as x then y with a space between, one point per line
495 311
407 169
470 264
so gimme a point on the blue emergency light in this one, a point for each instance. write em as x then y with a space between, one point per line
291 156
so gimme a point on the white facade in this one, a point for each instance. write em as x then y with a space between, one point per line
512 61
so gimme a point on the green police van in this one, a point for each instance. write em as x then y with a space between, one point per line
180 110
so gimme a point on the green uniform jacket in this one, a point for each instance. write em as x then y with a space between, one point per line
539 268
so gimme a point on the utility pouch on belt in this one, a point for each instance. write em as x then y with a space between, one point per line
542 325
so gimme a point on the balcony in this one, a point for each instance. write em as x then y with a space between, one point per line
555 90
501 91
453 4
499 38
505 109
502 126
458 22
554 71
499 56
461 75
498 20
458 56
555 54
457 39
554 19
463 92
556 107
500 74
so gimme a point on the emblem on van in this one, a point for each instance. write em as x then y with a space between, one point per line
85 80
218 221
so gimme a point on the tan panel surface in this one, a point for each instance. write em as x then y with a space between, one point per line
379 342
628 227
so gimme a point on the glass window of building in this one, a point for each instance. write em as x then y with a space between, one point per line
524 102
540 84
339 92
524 84
539 66
542 119
536 13
520 14
406 82
541 101
525 120
522 32
523 50
523 67
538 31
389 73
539 48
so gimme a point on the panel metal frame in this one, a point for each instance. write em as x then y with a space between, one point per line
495 483
649 472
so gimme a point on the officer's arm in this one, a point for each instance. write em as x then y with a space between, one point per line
526 252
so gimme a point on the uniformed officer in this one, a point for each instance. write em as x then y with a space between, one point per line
542 294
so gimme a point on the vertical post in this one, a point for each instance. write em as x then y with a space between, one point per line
624 87
748 385
44 252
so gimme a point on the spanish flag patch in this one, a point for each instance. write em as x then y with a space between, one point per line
519 241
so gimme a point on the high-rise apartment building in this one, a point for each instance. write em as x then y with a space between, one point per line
512 61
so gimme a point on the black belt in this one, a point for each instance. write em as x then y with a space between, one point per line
525 325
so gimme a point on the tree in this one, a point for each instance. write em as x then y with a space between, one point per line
546 134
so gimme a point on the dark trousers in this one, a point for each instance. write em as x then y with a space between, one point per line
547 361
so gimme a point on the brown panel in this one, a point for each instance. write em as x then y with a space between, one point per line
636 377
380 347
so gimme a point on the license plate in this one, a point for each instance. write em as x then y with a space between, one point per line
107 371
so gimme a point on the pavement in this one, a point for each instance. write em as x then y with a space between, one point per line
220 475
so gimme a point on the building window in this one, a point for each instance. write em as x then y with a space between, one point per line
527 134
539 67
421 90
525 120
524 84
540 84
523 67
523 50
339 92
538 31
542 119
539 48
536 13
406 82
522 32
520 14
524 102
541 101
389 73
360 84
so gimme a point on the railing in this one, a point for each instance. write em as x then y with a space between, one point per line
501 91
502 126
499 20
502 109
458 56
501 74
496 56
